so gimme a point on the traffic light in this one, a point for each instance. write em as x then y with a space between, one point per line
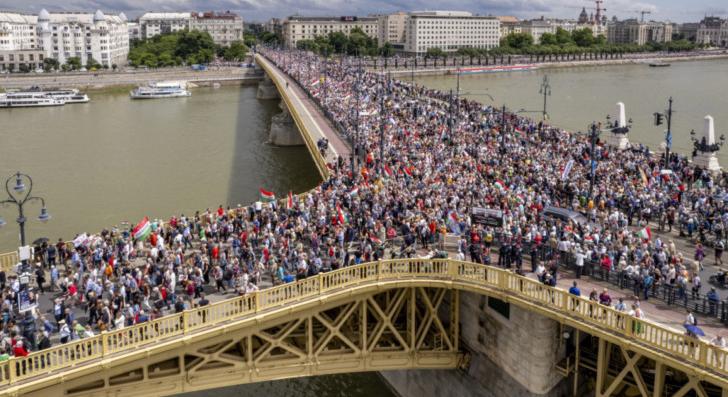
658 118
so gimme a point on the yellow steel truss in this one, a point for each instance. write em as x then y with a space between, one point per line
374 316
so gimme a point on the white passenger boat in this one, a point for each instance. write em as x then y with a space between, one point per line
164 89
28 99
68 95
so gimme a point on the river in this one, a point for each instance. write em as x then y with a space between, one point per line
584 94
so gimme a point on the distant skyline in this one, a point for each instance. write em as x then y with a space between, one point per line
262 10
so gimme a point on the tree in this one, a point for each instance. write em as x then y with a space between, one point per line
195 44
517 40
600 40
583 37
91 63
563 37
548 39
435 52
50 64
74 63
387 50
338 41
236 52
249 40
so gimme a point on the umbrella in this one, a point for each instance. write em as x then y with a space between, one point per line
694 329
40 241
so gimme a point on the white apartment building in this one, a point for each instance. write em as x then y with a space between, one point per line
297 28
135 30
17 31
63 35
537 27
632 31
712 31
450 31
508 25
224 27
392 28
156 23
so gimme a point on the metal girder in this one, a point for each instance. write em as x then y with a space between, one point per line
377 331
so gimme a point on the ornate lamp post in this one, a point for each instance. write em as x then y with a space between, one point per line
19 196
545 90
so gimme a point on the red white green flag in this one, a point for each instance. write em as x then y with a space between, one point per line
267 196
341 216
289 202
645 233
142 230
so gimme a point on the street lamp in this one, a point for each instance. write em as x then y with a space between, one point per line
545 90
702 145
668 134
593 135
17 197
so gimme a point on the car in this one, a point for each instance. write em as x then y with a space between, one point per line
565 215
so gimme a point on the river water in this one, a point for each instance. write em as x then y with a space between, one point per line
115 160
585 94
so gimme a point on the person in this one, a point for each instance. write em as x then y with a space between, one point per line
65 331
695 290
620 306
604 298
19 350
637 313
690 318
719 354
719 247
40 277
574 290
44 341
579 258
203 300
713 300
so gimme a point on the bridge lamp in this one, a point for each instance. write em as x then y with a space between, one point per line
44 215
19 185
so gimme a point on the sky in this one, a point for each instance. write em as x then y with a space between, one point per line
262 10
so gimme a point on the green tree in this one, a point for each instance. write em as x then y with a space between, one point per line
517 40
74 63
197 44
338 41
387 50
548 39
236 52
600 40
50 64
435 52
249 40
563 37
91 63
583 37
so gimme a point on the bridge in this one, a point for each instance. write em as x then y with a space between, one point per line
399 314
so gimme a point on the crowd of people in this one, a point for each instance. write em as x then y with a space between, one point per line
425 159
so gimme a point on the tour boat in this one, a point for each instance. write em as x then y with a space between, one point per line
659 65
496 69
28 99
68 95
164 89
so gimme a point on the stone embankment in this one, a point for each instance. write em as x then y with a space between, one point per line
101 80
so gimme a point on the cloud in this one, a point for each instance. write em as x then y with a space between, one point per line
263 9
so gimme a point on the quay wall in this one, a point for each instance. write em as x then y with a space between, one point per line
514 356
91 81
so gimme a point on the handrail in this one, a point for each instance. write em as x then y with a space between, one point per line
318 159
682 348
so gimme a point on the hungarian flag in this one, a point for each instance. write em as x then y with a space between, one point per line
500 185
645 233
354 192
289 202
453 222
374 238
267 196
387 171
142 230
341 216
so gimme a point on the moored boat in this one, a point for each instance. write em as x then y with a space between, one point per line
28 99
164 89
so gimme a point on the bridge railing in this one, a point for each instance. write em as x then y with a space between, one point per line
683 348
8 261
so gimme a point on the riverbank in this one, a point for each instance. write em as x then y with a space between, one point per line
88 81
564 64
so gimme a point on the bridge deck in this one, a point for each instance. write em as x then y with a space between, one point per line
311 121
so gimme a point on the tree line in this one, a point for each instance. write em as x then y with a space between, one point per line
356 43
182 48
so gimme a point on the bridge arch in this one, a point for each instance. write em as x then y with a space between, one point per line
400 314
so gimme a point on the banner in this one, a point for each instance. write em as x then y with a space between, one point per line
567 170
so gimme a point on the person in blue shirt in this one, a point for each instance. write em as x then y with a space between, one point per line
574 290
713 300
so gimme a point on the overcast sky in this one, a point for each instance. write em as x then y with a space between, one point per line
261 10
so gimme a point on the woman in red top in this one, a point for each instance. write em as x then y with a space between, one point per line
19 350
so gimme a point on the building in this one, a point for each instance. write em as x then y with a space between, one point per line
450 31
274 25
392 28
64 35
687 31
537 27
224 27
508 25
19 59
297 28
17 31
712 31
156 23
135 31
633 31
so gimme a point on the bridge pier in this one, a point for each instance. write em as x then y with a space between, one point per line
283 131
266 89
509 356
